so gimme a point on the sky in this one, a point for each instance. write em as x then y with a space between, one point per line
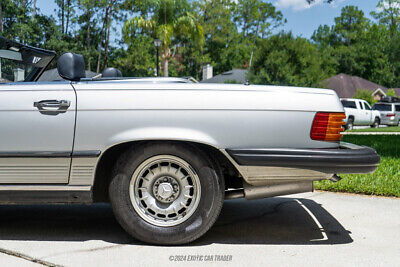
302 19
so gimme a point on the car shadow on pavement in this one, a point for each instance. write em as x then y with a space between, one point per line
276 221
267 221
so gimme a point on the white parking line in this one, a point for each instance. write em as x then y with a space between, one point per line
324 235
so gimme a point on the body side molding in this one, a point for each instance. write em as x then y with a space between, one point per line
50 154
45 194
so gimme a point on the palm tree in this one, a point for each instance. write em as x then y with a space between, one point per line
169 22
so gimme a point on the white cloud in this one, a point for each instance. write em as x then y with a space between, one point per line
336 3
296 4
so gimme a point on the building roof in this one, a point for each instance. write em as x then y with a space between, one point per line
52 75
232 76
396 90
346 85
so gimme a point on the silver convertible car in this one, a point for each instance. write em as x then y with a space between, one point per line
164 152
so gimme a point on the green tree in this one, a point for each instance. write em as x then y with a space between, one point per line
375 57
142 7
388 13
171 21
350 26
221 35
391 92
138 60
230 28
365 95
109 12
257 17
66 14
388 16
18 23
89 30
286 60
357 46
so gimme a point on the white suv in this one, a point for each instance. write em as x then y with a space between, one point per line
390 113
360 113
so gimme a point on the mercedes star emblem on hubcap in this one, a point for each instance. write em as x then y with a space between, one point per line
165 190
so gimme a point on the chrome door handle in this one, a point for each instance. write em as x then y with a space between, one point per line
52 107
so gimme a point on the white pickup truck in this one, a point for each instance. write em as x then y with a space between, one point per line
359 113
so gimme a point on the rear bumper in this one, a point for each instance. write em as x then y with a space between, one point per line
348 158
389 122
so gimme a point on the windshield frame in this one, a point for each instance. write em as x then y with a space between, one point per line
28 55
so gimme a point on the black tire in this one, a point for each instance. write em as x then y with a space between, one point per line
204 216
350 124
376 123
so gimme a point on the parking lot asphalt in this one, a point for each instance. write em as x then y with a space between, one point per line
324 229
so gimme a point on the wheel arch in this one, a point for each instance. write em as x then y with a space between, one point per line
109 157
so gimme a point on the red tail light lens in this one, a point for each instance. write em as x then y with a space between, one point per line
390 115
327 126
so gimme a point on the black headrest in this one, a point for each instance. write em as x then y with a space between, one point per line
71 66
111 72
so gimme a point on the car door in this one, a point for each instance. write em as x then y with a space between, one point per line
359 114
363 114
368 113
37 132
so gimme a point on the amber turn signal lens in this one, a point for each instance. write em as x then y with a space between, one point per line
327 126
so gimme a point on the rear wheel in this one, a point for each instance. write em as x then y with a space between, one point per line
350 124
166 193
376 123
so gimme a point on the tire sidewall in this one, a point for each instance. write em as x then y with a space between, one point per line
350 124
376 123
208 208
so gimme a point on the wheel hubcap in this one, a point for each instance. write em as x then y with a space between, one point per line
165 190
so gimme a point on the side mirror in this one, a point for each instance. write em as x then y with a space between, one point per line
71 66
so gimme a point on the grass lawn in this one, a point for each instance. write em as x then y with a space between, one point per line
385 181
381 129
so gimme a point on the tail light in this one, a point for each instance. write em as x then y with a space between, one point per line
327 126
390 115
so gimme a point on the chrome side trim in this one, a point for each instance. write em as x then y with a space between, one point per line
49 154
35 154
260 175
86 154
44 188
